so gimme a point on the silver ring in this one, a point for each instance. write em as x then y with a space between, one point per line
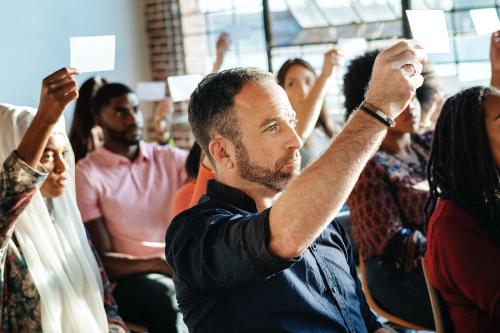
411 72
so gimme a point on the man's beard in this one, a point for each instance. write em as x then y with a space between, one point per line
121 136
274 179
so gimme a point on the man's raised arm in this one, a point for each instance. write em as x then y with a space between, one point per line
313 199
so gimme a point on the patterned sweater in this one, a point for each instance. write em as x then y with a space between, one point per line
389 195
20 302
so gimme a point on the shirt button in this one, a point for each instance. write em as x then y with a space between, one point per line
313 247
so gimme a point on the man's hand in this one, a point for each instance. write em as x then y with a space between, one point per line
495 59
58 89
396 76
333 59
163 109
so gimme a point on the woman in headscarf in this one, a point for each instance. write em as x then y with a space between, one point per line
51 279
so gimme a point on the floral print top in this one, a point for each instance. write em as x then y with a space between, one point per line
389 195
19 299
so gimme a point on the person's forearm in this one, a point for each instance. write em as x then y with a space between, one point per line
495 79
35 139
119 266
295 222
216 65
310 110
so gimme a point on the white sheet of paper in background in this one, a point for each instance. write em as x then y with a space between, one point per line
485 20
352 47
151 91
92 53
429 28
182 86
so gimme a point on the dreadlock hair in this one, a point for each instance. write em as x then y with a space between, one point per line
461 166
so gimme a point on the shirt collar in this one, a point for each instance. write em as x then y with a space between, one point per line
114 159
231 195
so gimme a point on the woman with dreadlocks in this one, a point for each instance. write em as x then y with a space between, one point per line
463 234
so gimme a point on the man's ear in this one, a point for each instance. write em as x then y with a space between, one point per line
222 152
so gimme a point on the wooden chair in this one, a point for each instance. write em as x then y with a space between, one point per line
379 310
441 319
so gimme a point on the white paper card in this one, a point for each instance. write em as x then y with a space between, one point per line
352 47
182 86
151 91
429 28
92 53
485 20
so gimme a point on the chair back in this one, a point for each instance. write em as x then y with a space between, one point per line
378 309
442 321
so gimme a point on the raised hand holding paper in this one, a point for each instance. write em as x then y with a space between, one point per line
151 91
429 28
92 53
485 20
182 86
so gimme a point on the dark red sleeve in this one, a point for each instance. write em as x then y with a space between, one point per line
469 259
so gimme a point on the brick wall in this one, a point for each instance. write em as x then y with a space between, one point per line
166 49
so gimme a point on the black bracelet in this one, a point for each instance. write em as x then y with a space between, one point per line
377 114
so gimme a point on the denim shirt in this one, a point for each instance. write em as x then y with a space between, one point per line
226 279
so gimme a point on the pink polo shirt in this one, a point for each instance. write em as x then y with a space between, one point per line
133 197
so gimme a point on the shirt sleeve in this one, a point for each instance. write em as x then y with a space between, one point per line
217 249
374 210
18 182
87 196
471 258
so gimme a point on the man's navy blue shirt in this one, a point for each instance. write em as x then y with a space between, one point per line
226 279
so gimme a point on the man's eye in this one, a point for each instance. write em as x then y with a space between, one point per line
272 128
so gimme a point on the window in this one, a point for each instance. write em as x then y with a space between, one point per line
204 20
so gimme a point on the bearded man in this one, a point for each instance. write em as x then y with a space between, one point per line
261 251
124 192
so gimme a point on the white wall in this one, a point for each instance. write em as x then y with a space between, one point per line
34 42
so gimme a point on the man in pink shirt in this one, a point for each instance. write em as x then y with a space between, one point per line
124 192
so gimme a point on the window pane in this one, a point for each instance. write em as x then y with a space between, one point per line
463 22
306 13
219 22
377 10
473 48
474 73
474 3
433 4
193 24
